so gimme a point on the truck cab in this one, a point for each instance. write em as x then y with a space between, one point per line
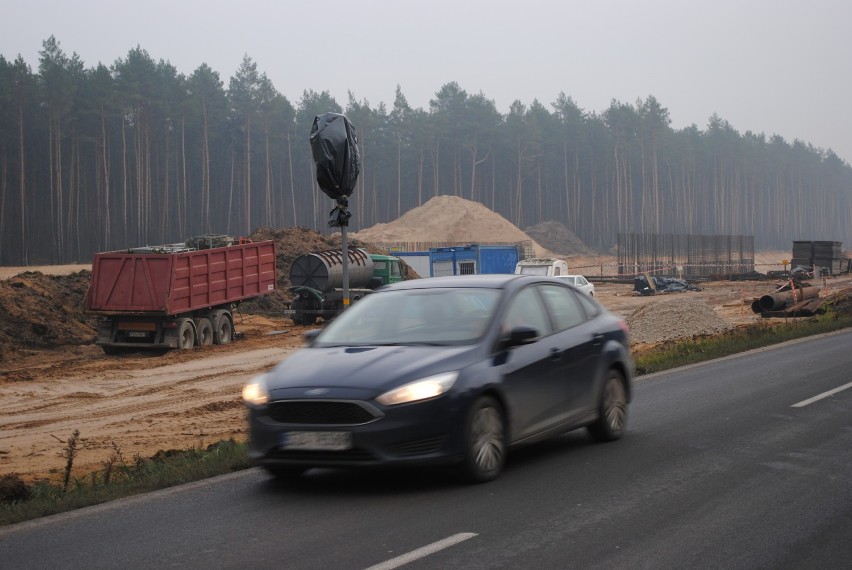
387 268
544 266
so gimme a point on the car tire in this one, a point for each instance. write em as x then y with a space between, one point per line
484 441
612 409
285 472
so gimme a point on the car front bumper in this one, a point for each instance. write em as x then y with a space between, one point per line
419 433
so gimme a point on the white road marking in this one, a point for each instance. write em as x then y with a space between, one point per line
423 552
818 397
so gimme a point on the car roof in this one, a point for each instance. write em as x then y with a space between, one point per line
488 281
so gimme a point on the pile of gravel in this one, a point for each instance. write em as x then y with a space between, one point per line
556 237
671 319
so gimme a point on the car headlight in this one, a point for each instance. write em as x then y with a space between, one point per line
423 389
255 392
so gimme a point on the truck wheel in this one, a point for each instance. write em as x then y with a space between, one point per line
204 332
300 318
304 320
223 329
186 334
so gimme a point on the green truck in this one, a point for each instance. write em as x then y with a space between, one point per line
316 281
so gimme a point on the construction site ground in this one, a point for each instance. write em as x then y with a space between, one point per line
143 403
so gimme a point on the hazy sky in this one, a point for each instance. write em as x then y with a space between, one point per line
773 66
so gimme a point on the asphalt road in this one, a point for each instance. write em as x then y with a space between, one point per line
728 464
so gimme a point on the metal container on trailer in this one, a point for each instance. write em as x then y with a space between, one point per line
170 284
323 270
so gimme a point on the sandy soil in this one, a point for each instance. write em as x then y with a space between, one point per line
54 380
142 403
139 403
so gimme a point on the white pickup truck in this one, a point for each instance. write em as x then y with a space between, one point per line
546 266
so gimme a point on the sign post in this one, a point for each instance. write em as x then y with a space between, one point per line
334 147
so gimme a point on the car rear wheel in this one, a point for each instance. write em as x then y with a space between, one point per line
612 409
485 441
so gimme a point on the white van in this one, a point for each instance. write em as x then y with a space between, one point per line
545 266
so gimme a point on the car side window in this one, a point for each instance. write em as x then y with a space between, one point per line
589 306
563 307
525 309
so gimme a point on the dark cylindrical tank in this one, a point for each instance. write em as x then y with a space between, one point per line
324 270
778 301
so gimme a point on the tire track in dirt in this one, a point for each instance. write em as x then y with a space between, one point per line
140 409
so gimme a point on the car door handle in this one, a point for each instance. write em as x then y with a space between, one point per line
597 338
556 354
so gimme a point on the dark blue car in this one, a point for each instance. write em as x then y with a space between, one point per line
444 370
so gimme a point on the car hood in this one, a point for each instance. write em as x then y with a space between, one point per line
363 370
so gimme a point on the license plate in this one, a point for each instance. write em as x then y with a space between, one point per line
316 440
136 334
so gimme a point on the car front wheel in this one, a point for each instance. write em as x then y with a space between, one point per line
612 409
485 441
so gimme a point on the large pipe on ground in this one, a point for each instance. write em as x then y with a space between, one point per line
777 301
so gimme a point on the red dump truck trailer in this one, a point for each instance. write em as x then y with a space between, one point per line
166 297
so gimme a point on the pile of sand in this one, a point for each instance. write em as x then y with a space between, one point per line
43 311
448 219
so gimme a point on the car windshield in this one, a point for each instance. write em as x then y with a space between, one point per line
439 316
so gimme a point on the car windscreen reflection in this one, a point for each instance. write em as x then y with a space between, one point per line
434 317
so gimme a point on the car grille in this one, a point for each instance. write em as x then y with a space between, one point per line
310 412
420 446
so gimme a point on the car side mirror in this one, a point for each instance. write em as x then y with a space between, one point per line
310 335
519 335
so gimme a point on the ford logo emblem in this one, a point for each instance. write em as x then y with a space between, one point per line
316 392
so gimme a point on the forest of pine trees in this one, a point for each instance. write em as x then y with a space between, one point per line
109 157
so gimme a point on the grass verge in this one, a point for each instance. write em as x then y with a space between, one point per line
19 502
118 478
681 353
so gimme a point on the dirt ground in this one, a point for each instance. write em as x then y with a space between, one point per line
141 404
54 379
137 403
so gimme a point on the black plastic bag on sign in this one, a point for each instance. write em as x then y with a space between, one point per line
334 147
